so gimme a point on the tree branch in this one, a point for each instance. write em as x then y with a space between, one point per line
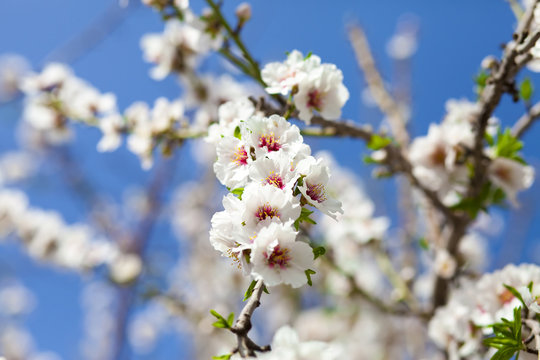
501 81
526 121
384 100
246 346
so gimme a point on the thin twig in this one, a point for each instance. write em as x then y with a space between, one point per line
382 97
137 245
236 38
378 303
526 121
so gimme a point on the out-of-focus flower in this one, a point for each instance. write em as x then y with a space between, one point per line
511 176
12 69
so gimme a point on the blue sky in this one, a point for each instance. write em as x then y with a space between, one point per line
454 37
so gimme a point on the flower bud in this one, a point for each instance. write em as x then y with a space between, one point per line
243 12
125 268
489 63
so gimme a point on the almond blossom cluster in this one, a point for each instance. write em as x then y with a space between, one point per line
49 239
273 179
461 324
439 159
16 339
56 96
180 46
315 87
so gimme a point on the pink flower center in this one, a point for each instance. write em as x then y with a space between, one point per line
275 179
506 296
316 192
240 156
279 257
266 211
315 100
504 174
269 141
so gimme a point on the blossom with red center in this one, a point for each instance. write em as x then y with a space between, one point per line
267 204
266 212
232 165
314 99
269 141
275 179
240 156
274 169
278 258
272 134
511 176
315 176
316 192
321 90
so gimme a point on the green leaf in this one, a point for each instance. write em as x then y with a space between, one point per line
237 133
489 139
526 89
222 357
304 217
221 322
508 146
504 354
309 272
507 335
369 160
318 251
423 243
480 80
230 319
516 294
377 142
488 195
249 291
308 55
238 192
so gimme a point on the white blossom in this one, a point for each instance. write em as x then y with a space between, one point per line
233 162
267 204
511 176
322 90
278 258
315 180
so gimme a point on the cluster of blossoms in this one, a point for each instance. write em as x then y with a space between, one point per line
272 178
465 320
48 238
181 45
56 95
439 159
315 87
16 341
